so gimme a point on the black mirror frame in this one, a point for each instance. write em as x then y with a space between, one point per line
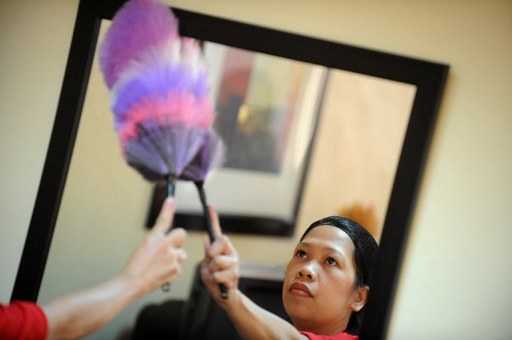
428 77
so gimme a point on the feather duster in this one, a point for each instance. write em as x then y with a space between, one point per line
159 97
158 91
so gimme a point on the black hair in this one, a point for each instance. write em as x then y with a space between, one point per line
364 256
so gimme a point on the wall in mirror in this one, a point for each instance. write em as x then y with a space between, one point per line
376 114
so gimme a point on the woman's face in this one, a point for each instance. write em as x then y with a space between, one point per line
319 291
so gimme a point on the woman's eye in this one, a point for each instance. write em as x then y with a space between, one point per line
301 253
331 261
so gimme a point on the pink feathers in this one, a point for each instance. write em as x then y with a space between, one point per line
175 108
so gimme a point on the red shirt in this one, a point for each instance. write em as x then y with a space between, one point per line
22 320
338 336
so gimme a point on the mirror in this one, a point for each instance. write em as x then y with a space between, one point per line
422 80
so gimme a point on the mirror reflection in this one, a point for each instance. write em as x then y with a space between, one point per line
362 122
266 113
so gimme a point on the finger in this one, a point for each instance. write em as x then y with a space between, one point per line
182 256
226 277
206 246
172 274
164 220
177 254
177 237
204 266
222 262
206 274
222 246
217 231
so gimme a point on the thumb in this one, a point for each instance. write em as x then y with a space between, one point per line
164 221
217 231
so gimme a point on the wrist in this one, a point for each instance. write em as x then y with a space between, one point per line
133 285
228 303
233 303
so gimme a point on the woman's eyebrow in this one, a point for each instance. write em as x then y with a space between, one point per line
326 249
335 251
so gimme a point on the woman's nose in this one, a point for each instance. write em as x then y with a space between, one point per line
307 272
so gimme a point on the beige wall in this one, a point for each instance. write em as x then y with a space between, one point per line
34 40
456 272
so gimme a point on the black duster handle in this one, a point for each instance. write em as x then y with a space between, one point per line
209 228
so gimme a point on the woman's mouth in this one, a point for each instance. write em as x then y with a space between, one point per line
299 289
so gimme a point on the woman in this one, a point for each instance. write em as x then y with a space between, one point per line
325 288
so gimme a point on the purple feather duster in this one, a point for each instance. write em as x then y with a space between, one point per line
158 94
159 97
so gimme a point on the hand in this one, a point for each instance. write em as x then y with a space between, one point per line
157 260
220 264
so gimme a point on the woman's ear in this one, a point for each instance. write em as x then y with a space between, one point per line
361 297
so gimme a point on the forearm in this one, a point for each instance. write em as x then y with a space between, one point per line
253 322
81 313
220 266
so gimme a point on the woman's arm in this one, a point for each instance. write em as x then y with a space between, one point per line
155 262
221 265
253 322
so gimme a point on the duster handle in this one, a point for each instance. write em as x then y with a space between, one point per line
171 184
209 228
